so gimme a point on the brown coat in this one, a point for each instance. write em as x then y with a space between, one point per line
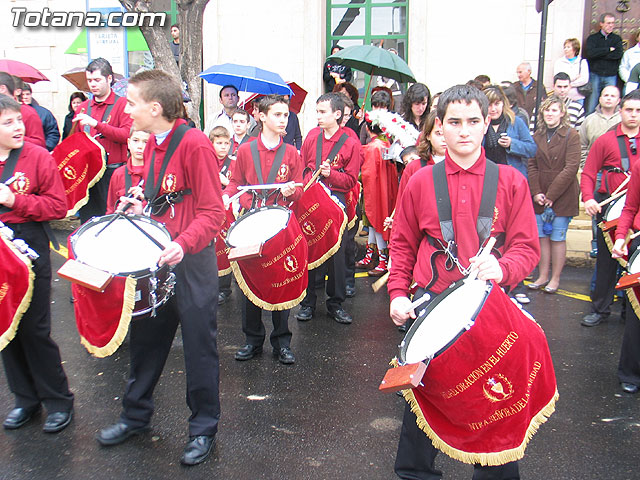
527 100
553 171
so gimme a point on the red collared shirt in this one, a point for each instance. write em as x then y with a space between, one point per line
117 186
416 220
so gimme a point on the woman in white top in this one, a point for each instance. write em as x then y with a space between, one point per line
573 65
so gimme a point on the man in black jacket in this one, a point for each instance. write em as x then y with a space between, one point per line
603 51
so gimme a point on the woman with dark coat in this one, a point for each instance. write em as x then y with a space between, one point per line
554 186
74 102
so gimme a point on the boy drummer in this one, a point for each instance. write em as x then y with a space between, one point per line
462 114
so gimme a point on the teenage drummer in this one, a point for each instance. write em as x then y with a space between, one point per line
338 157
417 239
131 174
274 113
181 162
32 359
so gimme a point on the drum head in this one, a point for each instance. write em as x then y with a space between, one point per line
121 248
258 226
444 320
633 265
614 210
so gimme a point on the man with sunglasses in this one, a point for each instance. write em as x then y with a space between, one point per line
611 159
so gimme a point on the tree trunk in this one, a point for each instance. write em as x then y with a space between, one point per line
190 16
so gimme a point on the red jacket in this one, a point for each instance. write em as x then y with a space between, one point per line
194 166
114 131
416 220
606 153
408 172
344 168
244 172
117 183
39 192
33 131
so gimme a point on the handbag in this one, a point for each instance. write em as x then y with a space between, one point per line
586 89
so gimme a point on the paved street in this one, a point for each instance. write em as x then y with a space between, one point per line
323 418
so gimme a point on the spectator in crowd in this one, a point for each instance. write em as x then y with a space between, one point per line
175 42
334 73
415 105
293 135
507 140
32 124
603 50
630 58
510 92
554 186
434 101
526 88
75 100
352 92
634 79
229 99
575 66
484 80
256 127
561 88
49 123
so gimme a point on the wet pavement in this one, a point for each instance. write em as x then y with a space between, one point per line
323 418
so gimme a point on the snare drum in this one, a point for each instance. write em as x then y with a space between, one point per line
124 251
274 276
613 212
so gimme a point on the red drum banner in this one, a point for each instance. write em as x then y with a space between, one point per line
352 198
277 279
322 222
486 395
16 288
222 250
609 234
81 163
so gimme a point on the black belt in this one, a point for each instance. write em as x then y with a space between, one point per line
115 165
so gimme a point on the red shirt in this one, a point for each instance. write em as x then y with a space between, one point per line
606 153
39 191
344 167
198 217
416 219
117 186
33 131
244 172
115 129
408 172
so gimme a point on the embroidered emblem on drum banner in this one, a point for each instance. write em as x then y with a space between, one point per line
291 264
283 173
22 184
497 388
308 228
495 218
69 172
169 183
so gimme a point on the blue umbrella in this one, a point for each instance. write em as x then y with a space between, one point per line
247 79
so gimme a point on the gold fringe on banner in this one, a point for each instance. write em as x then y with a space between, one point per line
9 335
607 240
223 272
257 301
333 249
633 300
123 325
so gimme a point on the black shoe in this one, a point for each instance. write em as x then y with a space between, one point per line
197 449
351 291
248 352
57 421
19 416
340 315
118 433
223 297
629 387
593 319
305 314
285 356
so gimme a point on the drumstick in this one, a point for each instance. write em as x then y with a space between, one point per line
146 234
313 179
626 180
424 298
391 217
612 198
9 181
483 255
378 284
631 237
267 186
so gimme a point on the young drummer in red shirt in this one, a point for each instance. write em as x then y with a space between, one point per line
32 359
154 100
463 115
131 174
339 174
274 112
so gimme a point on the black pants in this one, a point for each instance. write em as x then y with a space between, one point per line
416 456
336 283
606 274
224 283
350 255
629 365
253 327
97 204
194 306
32 359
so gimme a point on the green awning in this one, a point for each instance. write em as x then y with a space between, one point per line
135 42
